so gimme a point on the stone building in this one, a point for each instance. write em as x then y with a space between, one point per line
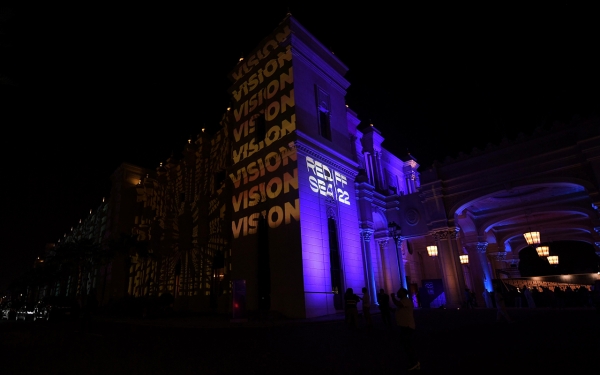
293 201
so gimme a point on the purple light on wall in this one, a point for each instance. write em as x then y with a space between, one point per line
316 206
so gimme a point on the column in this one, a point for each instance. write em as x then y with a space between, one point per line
365 235
402 263
380 177
369 168
384 264
485 266
482 281
597 229
451 267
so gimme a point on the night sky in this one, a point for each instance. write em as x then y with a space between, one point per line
84 88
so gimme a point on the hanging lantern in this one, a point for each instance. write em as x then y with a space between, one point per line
532 238
543 251
432 251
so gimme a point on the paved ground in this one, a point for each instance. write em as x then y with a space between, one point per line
466 341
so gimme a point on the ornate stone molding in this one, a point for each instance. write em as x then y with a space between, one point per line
444 234
499 256
382 243
482 247
366 234
412 216
366 225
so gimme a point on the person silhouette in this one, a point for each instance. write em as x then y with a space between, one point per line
366 307
406 323
528 297
351 300
501 313
384 306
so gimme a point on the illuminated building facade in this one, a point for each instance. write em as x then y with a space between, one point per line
283 201
290 202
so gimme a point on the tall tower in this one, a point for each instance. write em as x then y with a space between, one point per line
296 243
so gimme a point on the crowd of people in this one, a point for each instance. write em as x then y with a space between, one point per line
401 307
403 313
533 297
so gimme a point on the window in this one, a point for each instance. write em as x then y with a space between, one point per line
324 112
219 179
334 260
260 127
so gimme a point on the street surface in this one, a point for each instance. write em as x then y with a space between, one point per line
544 340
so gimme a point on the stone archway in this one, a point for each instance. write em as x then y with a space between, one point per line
548 183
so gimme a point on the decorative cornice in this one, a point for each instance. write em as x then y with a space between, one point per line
366 225
382 242
378 207
305 150
445 233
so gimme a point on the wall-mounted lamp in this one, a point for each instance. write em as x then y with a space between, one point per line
553 259
464 259
432 251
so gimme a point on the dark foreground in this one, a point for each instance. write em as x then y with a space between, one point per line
449 341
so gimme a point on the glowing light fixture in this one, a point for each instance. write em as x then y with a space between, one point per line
432 251
532 238
543 251
464 259
553 259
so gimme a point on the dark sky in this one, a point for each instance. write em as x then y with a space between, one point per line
86 87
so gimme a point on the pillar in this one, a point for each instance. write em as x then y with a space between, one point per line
365 235
384 265
452 274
